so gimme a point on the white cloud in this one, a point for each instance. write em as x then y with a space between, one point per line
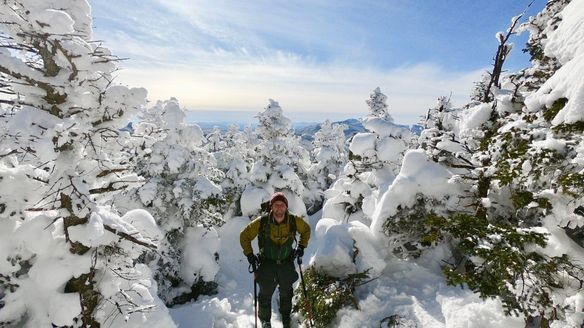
235 81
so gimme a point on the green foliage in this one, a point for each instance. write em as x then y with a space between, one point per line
505 173
544 163
409 232
217 202
354 157
535 51
572 183
498 261
199 287
327 294
575 128
551 112
523 198
514 152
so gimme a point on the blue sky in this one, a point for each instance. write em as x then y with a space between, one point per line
313 57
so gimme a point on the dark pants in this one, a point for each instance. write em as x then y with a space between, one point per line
269 275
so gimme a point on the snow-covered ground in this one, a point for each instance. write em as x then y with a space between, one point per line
416 291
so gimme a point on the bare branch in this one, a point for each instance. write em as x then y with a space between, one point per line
501 55
129 237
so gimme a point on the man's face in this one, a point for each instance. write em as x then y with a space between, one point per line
279 208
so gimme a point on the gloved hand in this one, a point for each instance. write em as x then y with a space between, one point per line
299 253
253 261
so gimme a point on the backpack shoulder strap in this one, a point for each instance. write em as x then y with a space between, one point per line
293 219
263 230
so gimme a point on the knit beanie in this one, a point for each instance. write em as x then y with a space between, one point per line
279 196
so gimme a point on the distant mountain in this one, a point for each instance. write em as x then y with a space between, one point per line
306 130
416 129
354 126
223 126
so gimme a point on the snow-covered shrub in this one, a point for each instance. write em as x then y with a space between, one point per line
182 191
374 160
501 262
516 162
326 295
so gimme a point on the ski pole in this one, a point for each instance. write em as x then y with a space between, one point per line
307 304
255 294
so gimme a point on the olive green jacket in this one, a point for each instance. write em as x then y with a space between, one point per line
278 232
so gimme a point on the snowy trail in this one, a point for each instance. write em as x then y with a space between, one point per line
233 305
416 293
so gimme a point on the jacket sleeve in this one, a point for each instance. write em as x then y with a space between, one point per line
247 235
304 230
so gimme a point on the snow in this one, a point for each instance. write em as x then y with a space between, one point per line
384 128
144 223
418 175
206 188
363 144
474 117
334 250
567 41
252 198
414 289
567 44
389 148
199 256
551 143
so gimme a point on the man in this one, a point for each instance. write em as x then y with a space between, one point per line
276 234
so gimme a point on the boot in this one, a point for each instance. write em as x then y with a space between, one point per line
265 314
286 323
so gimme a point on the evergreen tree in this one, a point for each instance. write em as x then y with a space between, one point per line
60 139
214 141
377 103
374 160
281 163
512 157
330 156
181 190
235 160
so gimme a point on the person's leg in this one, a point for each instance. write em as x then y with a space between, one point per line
266 278
286 275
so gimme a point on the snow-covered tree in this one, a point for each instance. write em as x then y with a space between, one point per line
441 143
374 160
66 257
235 160
214 140
508 182
181 190
377 103
330 156
281 163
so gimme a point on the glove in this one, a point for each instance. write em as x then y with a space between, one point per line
299 253
253 260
